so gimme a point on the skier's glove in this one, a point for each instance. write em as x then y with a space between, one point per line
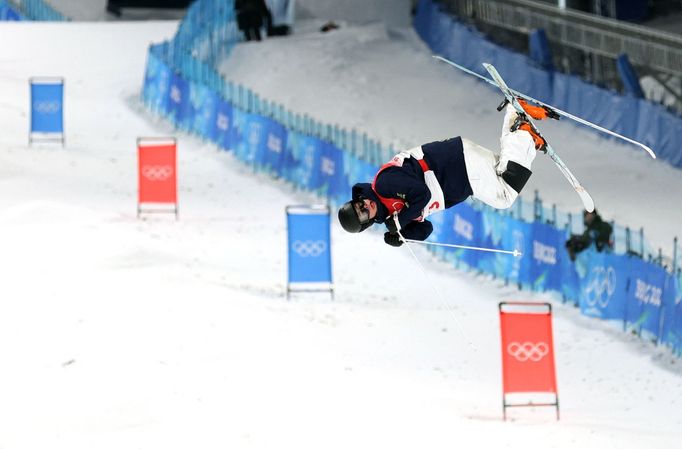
538 112
392 239
393 224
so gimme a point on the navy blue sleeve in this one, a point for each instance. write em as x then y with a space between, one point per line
395 183
417 230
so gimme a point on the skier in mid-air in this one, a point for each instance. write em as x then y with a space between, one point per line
438 175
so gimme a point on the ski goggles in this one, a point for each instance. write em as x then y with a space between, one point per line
361 211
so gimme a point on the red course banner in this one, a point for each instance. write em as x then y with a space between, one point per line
157 173
527 351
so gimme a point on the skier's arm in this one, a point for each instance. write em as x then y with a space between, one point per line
417 230
415 193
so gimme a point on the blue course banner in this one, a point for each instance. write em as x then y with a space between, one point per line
156 82
222 126
465 229
546 257
239 131
645 298
517 236
570 281
250 137
289 162
274 146
251 149
332 171
309 244
356 170
603 284
671 329
47 105
493 227
178 100
442 229
7 13
203 103
306 152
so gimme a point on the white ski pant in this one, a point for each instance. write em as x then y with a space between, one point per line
485 168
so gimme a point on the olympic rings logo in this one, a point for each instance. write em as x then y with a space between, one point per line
157 172
601 287
47 107
526 351
309 248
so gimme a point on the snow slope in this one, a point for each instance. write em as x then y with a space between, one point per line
383 81
126 333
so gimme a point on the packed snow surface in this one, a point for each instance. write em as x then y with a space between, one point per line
156 333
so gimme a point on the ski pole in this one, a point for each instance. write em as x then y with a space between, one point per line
515 253
442 299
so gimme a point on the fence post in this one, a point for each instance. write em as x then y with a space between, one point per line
354 142
373 151
641 241
229 92
569 224
628 247
537 207
674 255
554 222
240 96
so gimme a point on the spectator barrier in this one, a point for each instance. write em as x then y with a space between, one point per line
327 160
29 10
182 84
9 13
636 118
641 295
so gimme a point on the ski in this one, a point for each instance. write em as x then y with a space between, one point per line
580 190
552 108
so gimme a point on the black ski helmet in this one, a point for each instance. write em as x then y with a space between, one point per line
349 219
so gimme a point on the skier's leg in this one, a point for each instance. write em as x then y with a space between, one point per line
485 182
517 146
517 152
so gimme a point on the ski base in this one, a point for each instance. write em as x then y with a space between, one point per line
553 108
